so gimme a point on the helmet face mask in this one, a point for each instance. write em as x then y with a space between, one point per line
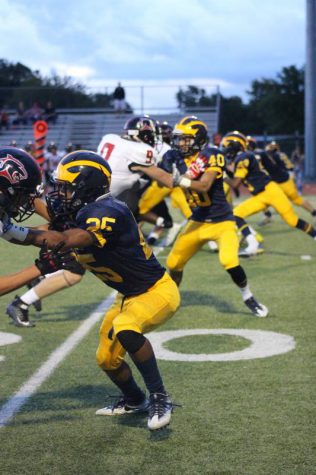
272 147
232 143
141 128
184 144
189 136
166 132
81 177
251 143
20 183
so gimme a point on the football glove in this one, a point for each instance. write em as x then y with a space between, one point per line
52 260
178 179
197 168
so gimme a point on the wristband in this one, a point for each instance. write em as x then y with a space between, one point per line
160 221
185 182
18 233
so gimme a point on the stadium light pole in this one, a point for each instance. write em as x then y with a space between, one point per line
310 90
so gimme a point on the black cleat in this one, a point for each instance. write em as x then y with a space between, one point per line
19 315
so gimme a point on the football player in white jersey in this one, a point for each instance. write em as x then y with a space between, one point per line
136 146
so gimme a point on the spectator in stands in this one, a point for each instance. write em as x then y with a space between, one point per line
20 115
4 118
69 148
216 139
35 113
119 99
52 159
30 148
50 114
13 143
297 158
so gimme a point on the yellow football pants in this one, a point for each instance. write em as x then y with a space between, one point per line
290 190
228 193
154 194
140 313
273 196
195 234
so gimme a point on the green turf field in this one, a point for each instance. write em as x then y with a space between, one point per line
253 416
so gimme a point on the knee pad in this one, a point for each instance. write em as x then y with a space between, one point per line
106 360
291 218
130 340
71 278
172 262
298 201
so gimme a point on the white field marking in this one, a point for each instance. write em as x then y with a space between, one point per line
263 344
306 257
8 339
13 405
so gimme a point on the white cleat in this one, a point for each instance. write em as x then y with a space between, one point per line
253 248
122 407
160 409
212 246
258 309
172 234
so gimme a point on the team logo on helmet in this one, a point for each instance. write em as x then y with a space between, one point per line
12 169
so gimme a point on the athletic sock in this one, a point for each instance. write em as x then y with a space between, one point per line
245 292
306 227
243 227
30 297
151 375
132 392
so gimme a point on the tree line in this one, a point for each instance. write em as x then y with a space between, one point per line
276 105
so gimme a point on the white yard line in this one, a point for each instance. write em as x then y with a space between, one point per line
14 404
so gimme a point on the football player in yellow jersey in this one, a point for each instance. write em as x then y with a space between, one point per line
265 191
212 218
110 245
275 147
279 171
274 164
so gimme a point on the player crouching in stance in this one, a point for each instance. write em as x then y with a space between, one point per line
112 248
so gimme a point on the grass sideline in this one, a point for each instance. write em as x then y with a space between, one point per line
240 417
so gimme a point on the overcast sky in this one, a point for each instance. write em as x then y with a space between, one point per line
168 42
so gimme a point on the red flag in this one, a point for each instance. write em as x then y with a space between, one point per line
40 129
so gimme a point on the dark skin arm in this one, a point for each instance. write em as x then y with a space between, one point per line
72 238
233 182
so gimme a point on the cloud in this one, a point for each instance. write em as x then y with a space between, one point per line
227 41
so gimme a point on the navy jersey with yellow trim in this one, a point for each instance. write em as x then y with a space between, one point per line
247 167
273 164
173 157
210 206
120 257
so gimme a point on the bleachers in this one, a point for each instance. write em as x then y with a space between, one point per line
87 129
